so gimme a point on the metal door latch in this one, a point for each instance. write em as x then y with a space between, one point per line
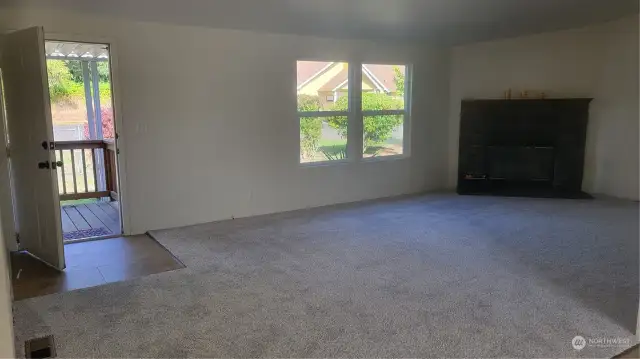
45 165
48 145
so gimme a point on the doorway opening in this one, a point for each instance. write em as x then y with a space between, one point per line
80 90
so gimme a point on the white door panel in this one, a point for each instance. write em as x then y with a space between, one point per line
31 136
6 196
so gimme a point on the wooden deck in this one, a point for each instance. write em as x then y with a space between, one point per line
87 220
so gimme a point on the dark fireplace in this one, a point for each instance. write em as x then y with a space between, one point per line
520 163
523 147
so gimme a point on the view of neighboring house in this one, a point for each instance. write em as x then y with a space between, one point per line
329 80
324 86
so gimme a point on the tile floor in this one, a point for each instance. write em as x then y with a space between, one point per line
90 264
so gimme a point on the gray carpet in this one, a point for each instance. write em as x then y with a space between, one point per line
435 275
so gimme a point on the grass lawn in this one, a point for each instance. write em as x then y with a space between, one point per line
336 148
76 202
333 149
328 143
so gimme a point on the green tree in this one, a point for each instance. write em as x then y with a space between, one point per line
60 80
310 127
376 129
103 71
399 77
75 68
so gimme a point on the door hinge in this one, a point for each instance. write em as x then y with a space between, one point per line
8 150
18 238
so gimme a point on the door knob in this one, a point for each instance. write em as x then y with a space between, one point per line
56 164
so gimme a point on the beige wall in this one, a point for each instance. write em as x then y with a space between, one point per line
599 61
210 128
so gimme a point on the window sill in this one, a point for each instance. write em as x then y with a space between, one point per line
325 163
385 158
348 161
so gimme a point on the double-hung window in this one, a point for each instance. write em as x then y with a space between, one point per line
323 110
384 109
372 99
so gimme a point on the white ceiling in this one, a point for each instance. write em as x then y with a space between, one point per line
444 21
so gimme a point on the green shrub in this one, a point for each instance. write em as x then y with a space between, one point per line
308 103
310 127
336 152
75 69
376 129
67 86
310 133
60 81
399 79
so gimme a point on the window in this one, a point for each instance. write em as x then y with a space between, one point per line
323 110
384 107
378 104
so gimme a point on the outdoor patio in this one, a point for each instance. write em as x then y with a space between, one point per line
91 218
85 139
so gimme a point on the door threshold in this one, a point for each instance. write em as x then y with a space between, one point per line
91 239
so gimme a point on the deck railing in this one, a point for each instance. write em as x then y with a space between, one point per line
88 169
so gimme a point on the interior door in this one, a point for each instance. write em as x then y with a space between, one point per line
30 130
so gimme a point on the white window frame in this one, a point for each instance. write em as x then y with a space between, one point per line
406 112
348 113
355 117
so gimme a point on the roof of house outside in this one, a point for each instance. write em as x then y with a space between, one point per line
308 69
336 81
384 75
